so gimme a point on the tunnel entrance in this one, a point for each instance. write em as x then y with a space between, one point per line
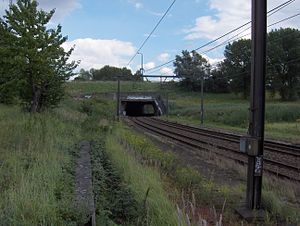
142 104
139 108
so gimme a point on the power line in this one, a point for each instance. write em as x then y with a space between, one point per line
225 42
228 40
271 12
275 10
268 67
285 19
158 23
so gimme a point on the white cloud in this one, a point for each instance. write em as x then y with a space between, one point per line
149 65
166 71
230 14
163 57
212 61
96 53
136 3
63 8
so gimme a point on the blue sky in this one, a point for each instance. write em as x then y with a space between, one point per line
110 31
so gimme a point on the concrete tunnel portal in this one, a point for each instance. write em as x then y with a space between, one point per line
139 108
141 105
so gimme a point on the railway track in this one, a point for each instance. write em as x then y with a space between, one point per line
281 159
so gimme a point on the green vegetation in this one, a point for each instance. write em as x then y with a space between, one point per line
146 184
185 183
191 67
227 111
204 191
126 192
107 86
33 64
114 199
37 166
234 72
134 181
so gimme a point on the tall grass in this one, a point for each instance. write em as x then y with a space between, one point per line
36 184
145 183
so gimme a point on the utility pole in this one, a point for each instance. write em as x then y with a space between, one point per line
142 63
202 73
10 4
202 99
118 99
257 116
253 145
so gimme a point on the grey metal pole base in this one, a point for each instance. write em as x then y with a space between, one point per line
249 214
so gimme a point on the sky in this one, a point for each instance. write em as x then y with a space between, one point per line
109 32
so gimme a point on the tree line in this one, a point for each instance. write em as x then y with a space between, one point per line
233 74
108 73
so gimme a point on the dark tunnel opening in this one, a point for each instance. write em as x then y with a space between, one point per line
139 108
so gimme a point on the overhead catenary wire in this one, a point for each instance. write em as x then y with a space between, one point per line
153 30
236 75
231 39
228 40
270 12
285 19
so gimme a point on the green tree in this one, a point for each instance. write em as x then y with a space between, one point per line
8 75
191 67
284 62
237 66
39 63
217 82
83 75
110 73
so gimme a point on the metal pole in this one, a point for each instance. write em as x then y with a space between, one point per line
167 104
10 5
202 99
142 63
118 99
257 105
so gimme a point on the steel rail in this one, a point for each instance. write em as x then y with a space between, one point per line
182 134
274 146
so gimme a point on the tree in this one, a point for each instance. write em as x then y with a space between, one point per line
237 66
7 70
284 62
110 73
34 52
191 67
83 75
217 82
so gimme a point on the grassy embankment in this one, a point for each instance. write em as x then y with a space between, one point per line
38 152
272 199
120 182
37 170
226 111
196 194
37 165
